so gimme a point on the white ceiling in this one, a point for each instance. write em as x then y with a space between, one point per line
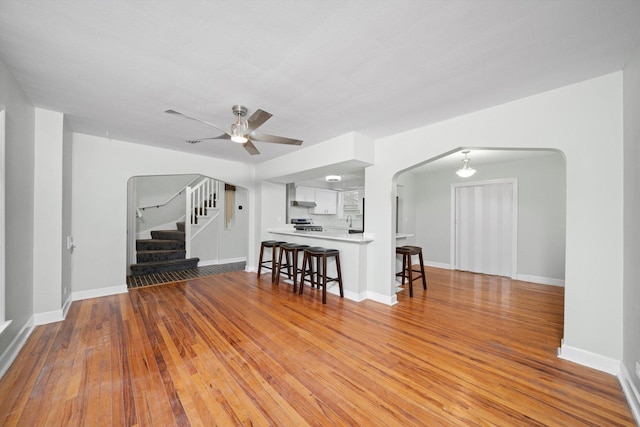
322 67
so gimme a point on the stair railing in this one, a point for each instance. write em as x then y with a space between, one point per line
141 209
199 198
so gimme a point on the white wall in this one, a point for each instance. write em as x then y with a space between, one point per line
67 254
233 243
152 191
541 213
101 169
19 211
584 121
48 239
631 306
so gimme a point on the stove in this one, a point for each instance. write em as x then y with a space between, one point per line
305 224
309 227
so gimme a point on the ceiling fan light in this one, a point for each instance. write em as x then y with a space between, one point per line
333 178
238 132
240 139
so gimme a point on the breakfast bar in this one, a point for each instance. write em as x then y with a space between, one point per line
353 255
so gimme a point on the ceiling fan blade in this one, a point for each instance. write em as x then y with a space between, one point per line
196 140
250 148
264 137
257 119
197 120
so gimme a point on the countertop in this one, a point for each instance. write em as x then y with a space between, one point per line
341 235
332 234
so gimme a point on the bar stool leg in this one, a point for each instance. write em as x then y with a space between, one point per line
324 279
260 259
409 272
305 260
424 280
339 276
278 269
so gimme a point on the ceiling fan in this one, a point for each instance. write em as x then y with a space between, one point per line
243 131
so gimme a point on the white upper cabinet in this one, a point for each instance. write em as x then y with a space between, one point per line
326 202
305 194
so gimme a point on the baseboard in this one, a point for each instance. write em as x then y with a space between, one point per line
384 299
523 277
101 292
221 261
540 280
11 352
48 317
438 265
631 392
350 295
66 306
589 359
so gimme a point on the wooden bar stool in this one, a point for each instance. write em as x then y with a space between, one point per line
290 250
273 245
407 271
320 277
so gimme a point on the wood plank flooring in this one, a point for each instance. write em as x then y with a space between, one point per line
233 349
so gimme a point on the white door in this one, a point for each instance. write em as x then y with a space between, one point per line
485 227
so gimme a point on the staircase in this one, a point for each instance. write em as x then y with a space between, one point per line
163 253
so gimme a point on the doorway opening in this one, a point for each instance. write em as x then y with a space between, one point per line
203 227
427 199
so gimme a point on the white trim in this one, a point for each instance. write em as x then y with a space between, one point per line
384 299
102 292
66 306
350 295
438 265
221 261
4 326
631 392
48 317
514 232
11 352
2 217
540 280
589 359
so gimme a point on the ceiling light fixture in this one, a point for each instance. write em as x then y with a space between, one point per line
333 178
240 127
466 171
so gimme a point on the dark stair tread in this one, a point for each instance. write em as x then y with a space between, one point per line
163 266
167 235
159 244
159 255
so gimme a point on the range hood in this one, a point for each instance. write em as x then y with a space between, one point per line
303 204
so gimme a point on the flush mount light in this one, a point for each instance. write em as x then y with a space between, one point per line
333 178
466 171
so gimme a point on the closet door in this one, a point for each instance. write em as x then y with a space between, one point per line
485 227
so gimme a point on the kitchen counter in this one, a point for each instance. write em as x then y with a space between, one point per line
335 234
353 255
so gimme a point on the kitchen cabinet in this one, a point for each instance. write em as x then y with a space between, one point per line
326 202
305 194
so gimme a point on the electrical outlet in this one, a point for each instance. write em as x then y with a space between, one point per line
638 369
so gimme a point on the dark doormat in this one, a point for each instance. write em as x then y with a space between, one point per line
177 276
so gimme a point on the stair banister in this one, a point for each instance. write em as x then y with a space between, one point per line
197 200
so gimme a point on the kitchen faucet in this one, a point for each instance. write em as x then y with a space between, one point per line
350 221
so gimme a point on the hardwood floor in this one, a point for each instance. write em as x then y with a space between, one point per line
232 349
